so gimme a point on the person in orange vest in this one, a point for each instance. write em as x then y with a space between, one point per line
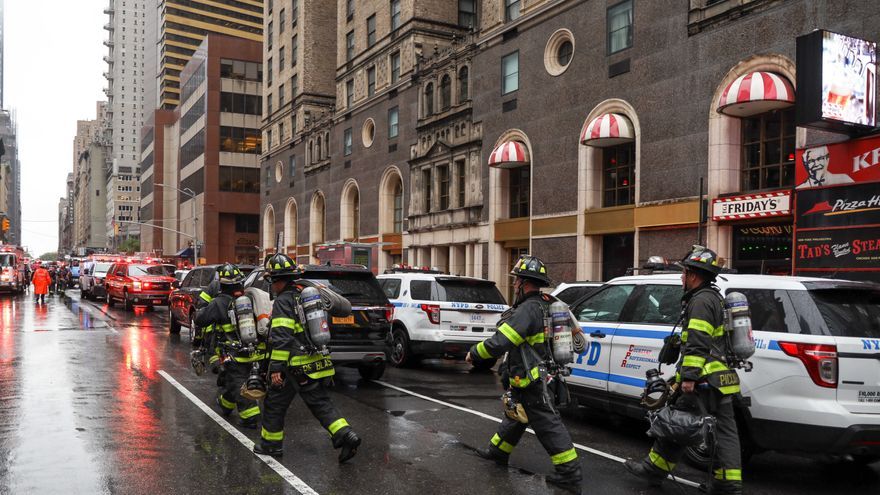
41 283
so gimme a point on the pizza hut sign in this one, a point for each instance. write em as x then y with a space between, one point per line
771 204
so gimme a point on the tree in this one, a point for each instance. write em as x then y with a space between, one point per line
130 245
51 256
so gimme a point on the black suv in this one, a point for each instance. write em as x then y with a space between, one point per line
362 339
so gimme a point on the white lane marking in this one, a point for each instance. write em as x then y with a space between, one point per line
294 481
497 420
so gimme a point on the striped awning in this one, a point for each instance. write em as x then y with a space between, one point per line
509 154
754 93
607 130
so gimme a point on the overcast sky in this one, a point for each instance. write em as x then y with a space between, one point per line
53 77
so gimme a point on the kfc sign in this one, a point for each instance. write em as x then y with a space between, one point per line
752 206
843 163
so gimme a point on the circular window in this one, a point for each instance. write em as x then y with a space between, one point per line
559 52
279 171
368 133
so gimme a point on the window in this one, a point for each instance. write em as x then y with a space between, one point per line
395 14
510 73
269 35
463 86
427 187
564 53
620 27
391 287
282 21
294 12
395 67
768 150
280 58
371 81
429 100
420 290
604 305
349 46
237 69
520 182
511 9
247 224
241 103
772 309
393 116
459 177
397 226
349 93
660 304
294 48
368 132
371 30
269 104
349 9
294 86
269 71
467 13
239 179
240 140
443 180
291 164
618 175
280 95
445 92
346 145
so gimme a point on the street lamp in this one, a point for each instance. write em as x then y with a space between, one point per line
189 192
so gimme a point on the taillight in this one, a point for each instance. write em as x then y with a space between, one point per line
433 312
820 360
389 312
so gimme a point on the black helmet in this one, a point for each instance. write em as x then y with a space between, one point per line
703 259
531 267
281 266
229 274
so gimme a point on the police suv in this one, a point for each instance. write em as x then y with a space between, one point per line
438 315
815 385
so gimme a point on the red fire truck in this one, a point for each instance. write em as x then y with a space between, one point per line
12 274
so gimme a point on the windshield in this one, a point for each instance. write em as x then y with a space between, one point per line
7 260
469 291
154 270
102 267
849 312
358 288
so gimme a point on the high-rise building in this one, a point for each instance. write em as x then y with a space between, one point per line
10 177
87 187
2 35
184 24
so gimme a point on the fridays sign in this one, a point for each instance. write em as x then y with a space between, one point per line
771 204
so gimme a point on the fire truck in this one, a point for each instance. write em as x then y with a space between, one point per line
12 274
348 253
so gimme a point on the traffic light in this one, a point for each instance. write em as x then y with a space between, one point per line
5 225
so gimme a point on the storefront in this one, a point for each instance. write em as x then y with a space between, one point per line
761 228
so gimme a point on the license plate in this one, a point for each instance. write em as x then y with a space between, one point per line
348 320
157 301
476 318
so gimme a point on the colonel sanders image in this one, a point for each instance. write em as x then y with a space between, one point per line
816 162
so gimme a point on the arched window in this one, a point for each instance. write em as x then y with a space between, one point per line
326 145
397 205
316 219
445 92
290 227
768 142
429 100
269 228
463 87
350 207
319 151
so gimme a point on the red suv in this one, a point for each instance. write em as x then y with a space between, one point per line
135 282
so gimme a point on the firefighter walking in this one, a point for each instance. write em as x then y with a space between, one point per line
297 366
521 336
703 376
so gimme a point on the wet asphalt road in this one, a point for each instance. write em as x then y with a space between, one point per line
96 400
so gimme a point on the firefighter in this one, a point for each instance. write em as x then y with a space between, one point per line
41 280
521 335
204 338
237 359
703 376
297 367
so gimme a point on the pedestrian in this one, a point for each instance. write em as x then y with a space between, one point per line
297 366
521 336
41 280
238 358
704 379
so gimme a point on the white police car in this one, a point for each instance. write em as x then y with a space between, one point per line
438 315
815 386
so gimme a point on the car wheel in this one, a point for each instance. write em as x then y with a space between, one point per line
126 302
173 324
401 352
485 365
110 301
371 371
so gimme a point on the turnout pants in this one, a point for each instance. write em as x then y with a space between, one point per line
726 466
317 399
549 429
230 393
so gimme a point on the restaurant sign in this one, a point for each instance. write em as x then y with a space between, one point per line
772 204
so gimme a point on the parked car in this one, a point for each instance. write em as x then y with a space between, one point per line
438 315
92 277
362 339
137 283
183 299
815 386
572 291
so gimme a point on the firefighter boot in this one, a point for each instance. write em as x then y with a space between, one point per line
567 477
348 442
648 473
263 449
493 454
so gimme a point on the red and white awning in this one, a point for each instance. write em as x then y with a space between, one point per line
754 93
509 154
607 130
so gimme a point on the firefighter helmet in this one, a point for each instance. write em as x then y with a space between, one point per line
229 274
703 259
531 267
281 266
